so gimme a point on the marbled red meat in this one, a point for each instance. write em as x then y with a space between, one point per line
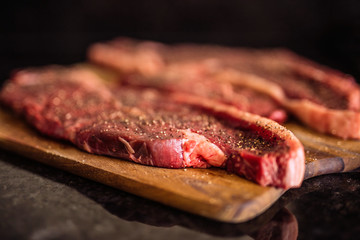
146 64
324 99
149 127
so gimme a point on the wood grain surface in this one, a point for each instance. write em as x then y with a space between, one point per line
211 193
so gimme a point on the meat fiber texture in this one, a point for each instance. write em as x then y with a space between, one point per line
171 130
263 82
143 64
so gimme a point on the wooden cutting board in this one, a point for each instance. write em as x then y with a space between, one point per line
211 193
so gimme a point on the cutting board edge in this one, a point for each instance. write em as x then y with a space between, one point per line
230 212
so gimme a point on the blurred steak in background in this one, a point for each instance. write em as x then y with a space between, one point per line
44 32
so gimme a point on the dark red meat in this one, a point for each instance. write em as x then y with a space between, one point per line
148 127
193 77
324 99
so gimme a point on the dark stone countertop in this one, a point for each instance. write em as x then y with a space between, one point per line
40 202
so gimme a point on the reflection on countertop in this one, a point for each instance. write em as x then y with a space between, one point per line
42 201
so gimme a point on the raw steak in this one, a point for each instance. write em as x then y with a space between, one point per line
143 65
324 99
152 128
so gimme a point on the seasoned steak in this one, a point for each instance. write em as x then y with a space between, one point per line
58 101
153 128
324 99
193 77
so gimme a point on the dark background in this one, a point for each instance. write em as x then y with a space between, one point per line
43 32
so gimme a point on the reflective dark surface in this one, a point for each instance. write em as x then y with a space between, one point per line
40 202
